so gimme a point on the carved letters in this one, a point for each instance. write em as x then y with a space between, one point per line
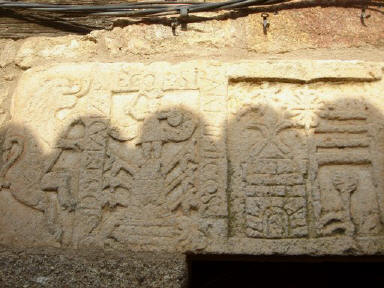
185 157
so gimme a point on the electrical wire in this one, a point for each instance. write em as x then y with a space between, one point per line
135 8
138 9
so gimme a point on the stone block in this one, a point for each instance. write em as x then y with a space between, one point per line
255 157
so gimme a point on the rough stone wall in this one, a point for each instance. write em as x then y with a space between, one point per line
137 140
42 267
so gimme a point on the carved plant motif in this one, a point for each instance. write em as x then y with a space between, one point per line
270 127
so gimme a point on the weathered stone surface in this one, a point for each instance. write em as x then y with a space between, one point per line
293 34
65 268
255 157
36 49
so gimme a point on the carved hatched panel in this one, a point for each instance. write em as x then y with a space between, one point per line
120 160
261 157
151 179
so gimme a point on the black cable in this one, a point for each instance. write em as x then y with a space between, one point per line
249 3
148 7
173 7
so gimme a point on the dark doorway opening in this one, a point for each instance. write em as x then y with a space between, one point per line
287 272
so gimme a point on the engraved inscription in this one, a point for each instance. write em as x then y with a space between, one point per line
196 157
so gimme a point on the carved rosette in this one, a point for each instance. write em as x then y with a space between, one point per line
202 157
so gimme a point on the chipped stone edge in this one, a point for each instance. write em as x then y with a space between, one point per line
306 72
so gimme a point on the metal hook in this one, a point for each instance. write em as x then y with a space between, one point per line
265 22
174 23
180 21
363 16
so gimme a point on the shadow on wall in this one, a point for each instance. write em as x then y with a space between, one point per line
309 171
102 187
313 170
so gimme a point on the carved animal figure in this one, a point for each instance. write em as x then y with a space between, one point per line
23 190
27 188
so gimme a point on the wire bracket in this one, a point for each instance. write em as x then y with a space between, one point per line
363 16
183 16
265 22
174 24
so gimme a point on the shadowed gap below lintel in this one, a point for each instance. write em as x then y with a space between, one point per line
211 271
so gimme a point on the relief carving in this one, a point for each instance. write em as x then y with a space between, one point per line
190 161
75 172
73 89
341 218
24 185
272 175
345 191
324 174
151 196
13 148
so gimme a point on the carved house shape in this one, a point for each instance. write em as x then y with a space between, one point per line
275 205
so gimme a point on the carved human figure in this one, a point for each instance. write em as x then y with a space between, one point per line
153 180
59 179
149 176
74 171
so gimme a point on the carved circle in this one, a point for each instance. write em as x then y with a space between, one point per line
211 186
